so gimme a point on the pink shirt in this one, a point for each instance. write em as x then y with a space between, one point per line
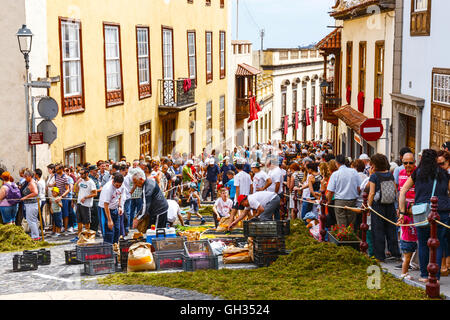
409 233
402 178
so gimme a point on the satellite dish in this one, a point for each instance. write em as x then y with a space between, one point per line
48 128
48 108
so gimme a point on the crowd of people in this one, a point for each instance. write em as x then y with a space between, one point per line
269 181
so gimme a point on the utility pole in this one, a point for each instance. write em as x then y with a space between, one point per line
262 34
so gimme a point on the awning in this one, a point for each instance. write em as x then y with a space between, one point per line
247 70
331 41
352 117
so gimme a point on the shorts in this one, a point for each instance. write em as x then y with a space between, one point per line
408 246
57 219
83 214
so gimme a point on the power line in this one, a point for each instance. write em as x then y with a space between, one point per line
250 15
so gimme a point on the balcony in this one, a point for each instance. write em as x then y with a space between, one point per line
242 108
332 102
175 96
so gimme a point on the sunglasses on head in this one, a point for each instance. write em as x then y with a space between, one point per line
406 163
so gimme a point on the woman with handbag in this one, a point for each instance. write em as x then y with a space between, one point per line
428 180
8 209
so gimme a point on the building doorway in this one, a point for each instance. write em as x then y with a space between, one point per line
169 126
407 132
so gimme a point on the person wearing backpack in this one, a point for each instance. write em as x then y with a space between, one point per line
9 196
382 196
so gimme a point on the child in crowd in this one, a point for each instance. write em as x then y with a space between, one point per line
194 204
56 211
230 184
408 241
222 206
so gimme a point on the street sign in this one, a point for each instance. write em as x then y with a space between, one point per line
371 129
40 84
35 138
48 108
49 130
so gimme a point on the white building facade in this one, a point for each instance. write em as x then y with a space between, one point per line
421 95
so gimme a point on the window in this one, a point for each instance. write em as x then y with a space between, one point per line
209 124
294 98
72 91
294 54
209 70
283 101
145 138
192 55
222 54
362 66
313 93
222 4
313 54
348 80
304 92
441 88
222 118
190 1
208 2
74 156
284 55
379 69
167 35
143 62
115 147
304 54
113 65
420 17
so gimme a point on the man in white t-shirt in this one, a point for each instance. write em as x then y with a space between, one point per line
261 180
265 203
275 174
112 205
222 207
243 184
87 191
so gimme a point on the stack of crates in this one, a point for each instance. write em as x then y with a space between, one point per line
25 262
198 255
169 253
97 258
124 246
43 256
268 240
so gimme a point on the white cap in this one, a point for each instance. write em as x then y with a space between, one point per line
212 161
190 162
364 157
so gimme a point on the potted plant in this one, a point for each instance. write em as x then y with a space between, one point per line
344 236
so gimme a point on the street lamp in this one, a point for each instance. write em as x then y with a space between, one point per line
25 39
324 85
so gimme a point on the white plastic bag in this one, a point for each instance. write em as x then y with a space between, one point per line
217 247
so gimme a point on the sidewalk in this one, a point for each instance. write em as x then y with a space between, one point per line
444 282
84 295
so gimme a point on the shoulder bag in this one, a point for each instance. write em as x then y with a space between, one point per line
421 211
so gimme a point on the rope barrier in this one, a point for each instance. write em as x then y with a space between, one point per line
442 224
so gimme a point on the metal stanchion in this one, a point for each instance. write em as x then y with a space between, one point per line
364 226
433 286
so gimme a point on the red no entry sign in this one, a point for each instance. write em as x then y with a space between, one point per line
371 129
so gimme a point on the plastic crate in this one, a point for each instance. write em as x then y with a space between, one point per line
100 251
43 256
269 245
200 262
169 244
265 260
198 248
267 228
124 246
169 259
97 267
71 257
26 262
227 241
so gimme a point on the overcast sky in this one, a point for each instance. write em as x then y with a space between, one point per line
288 23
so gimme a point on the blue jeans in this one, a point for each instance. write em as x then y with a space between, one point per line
111 236
9 214
423 234
306 207
135 207
67 212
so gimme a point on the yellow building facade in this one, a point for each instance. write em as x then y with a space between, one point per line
123 68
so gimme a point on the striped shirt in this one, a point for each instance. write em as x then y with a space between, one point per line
61 183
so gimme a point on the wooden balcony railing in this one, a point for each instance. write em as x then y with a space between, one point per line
174 97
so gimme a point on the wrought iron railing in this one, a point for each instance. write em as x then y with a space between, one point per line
176 93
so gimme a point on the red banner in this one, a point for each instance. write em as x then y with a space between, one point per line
315 113
286 125
308 119
296 121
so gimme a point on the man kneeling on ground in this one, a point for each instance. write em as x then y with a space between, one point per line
266 204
